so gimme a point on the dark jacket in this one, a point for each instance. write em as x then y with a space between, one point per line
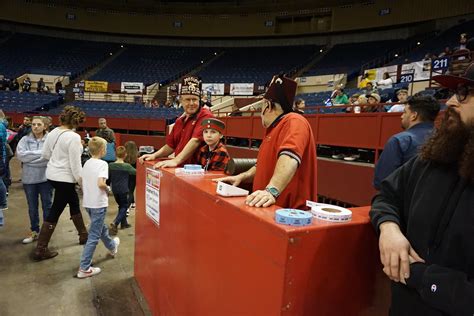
399 149
434 208
22 131
119 175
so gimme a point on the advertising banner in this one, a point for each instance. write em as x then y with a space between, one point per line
132 87
241 88
96 86
213 88
377 73
421 69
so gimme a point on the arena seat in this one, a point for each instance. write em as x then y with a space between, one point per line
436 44
257 64
348 58
316 98
123 110
24 53
150 64
13 101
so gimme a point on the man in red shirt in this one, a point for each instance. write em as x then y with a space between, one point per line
186 137
285 173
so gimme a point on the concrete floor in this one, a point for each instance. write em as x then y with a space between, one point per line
50 287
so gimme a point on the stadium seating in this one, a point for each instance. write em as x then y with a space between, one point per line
24 53
348 58
319 98
257 64
150 64
436 44
4 35
123 110
16 102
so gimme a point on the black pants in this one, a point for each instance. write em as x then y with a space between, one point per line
64 193
122 201
132 181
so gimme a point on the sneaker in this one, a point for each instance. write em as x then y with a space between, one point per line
338 156
125 226
128 212
114 251
113 230
32 237
351 158
81 274
132 206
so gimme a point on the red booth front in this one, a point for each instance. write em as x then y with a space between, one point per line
198 253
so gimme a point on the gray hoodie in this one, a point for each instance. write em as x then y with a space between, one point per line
28 152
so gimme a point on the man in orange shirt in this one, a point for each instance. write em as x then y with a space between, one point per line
285 173
186 137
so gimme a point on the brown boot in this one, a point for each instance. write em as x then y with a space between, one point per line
113 229
81 229
42 252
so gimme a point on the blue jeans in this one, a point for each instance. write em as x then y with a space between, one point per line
97 230
33 192
122 201
3 195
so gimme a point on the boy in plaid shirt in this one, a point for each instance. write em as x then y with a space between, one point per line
213 155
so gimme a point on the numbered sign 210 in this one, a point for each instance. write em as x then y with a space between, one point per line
407 77
440 63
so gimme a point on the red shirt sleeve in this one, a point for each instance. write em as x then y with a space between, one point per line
171 137
294 138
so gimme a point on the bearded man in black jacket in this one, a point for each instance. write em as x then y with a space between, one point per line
424 215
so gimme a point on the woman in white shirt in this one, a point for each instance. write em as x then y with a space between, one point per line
63 149
386 82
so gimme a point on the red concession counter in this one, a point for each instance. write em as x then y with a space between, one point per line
211 255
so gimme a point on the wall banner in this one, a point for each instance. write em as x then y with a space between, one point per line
96 86
213 88
241 88
132 87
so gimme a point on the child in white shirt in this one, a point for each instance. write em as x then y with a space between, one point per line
95 201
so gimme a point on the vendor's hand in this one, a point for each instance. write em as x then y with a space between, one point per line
396 252
233 180
146 157
166 164
260 198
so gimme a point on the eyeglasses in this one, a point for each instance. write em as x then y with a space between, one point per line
461 92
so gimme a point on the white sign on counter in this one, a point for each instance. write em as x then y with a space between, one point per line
152 195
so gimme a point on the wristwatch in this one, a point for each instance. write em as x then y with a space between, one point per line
273 191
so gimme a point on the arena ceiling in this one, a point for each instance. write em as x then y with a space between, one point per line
200 6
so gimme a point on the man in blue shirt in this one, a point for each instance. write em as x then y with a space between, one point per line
418 122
